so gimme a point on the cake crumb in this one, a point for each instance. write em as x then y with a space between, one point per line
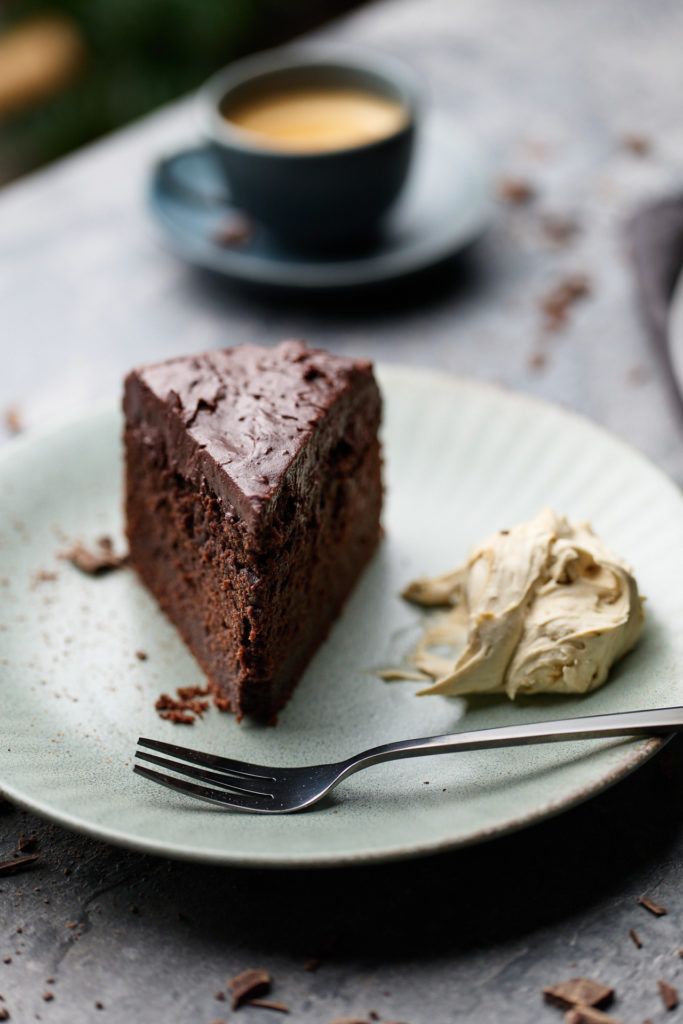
43 576
141 655
635 938
177 717
94 562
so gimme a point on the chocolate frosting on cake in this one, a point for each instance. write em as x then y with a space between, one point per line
242 417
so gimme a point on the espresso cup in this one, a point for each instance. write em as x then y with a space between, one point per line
316 200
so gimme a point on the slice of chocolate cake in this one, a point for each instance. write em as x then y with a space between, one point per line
253 497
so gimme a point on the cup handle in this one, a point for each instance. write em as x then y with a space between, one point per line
194 176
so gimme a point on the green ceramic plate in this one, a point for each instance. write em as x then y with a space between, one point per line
462 460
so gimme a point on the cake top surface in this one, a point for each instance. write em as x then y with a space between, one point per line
252 409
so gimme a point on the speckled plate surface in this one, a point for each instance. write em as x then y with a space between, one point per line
462 459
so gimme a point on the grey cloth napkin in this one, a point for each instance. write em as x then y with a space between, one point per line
655 235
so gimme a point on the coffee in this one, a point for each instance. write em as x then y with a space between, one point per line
316 118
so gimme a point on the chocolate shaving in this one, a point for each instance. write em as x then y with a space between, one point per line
655 908
589 1015
578 992
635 938
669 994
556 304
516 191
94 562
349 1020
269 1004
11 867
247 985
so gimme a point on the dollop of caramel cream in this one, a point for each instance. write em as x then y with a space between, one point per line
543 607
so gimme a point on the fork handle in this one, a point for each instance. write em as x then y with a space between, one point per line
661 721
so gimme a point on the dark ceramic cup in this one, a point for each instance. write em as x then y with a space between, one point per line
326 200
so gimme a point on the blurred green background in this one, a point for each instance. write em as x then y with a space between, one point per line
76 69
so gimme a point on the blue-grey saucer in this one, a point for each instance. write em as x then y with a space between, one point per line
445 206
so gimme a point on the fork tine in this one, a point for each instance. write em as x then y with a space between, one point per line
214 796
251 771
231 782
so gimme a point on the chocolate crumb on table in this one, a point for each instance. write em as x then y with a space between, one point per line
247 985
556 304
269 1004
94 561
638 375
4 1013
637 144
669 994
349 1020
578 992
14 423
655 908
635 938
27 844
11 867
538 361
517 191
141 655
589 1015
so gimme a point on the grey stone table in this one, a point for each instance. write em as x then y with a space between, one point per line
553 90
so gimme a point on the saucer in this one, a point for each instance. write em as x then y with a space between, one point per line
446 204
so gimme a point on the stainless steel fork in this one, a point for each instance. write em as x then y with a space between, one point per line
254 787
